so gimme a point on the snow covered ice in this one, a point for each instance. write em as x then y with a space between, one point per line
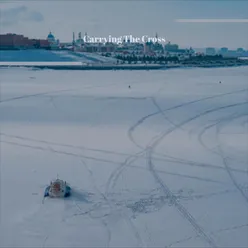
161 164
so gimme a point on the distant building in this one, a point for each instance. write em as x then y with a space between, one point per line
226 53
223 50
95 47
51 38
236 53
110 47
13 41
181 54
170 47
240 50
44 44
91 48
158 47
191 51
17 41
231 54
210 51
147 47
79 42
129 48
52 41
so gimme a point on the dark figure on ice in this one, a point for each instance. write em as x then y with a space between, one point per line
129 87
220 82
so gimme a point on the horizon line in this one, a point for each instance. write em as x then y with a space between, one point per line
212 20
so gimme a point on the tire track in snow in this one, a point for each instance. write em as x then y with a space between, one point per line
59 152
39 148
225 162
140 121
163 114
111 184
163 158
197 236
195 164
113 209
166 189
115 175
178 205
206 128
104 223
220 151
117 172
33 95
64 145
44 241
235 183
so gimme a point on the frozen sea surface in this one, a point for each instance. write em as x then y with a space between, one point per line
161 164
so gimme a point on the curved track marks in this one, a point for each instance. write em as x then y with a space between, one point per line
117 172
140 121
179 160
208 127
200 231
163 114
235 183
220 151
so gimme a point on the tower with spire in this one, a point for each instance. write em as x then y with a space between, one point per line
73 38
156 37
73 41
85 37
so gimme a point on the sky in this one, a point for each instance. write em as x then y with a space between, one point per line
35 18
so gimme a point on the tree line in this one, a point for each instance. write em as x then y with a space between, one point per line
162 59
133 59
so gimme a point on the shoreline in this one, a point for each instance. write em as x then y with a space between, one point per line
54 66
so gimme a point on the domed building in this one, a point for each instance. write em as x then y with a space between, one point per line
51 37
52 41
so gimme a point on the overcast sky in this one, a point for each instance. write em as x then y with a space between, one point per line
35 19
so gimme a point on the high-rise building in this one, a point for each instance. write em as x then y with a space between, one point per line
210 51
223 50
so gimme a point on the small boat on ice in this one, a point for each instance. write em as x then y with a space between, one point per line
57 189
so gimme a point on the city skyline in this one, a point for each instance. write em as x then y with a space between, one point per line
36 19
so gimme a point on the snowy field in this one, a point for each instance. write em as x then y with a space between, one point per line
161 164
35 55
41 56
